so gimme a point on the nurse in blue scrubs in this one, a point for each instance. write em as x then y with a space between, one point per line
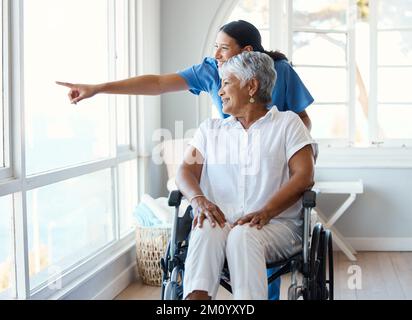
289 92
233 38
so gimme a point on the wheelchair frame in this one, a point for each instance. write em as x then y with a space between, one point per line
314 261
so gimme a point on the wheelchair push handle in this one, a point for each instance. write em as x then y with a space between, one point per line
175 198
309 199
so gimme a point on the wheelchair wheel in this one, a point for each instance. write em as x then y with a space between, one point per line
311 288
331 275
293 293
164 263
321 280
174 286
326 283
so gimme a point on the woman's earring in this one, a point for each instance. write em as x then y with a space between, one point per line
252 100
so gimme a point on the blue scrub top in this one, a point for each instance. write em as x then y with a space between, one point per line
289 92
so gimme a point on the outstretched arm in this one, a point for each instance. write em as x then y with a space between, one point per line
141 85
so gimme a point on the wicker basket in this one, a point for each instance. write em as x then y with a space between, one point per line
151 243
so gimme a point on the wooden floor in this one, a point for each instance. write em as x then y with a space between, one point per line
384 276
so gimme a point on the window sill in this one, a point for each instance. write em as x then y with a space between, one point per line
373 157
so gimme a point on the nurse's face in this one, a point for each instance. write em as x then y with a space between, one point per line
225 48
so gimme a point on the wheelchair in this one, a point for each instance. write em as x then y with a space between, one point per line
314 261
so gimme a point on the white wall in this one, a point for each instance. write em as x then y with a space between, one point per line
185 25
381 214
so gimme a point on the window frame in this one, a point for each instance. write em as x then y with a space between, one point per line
15 182
350 68
374 70
5 166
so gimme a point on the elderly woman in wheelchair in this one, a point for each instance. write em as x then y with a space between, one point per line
244 177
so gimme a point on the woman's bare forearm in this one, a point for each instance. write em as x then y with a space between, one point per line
288 194
188 181
144 85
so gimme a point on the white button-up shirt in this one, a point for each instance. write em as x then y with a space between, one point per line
243 169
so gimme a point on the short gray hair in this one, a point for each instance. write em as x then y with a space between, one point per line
252 64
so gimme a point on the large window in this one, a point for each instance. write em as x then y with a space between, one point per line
256 12
58 45
67 222
72 182
319 41
392 70
355 57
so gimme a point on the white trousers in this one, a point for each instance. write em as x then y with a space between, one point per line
246 249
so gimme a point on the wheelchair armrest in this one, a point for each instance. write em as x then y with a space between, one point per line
175 198
309 199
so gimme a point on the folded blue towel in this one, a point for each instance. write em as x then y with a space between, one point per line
145 217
